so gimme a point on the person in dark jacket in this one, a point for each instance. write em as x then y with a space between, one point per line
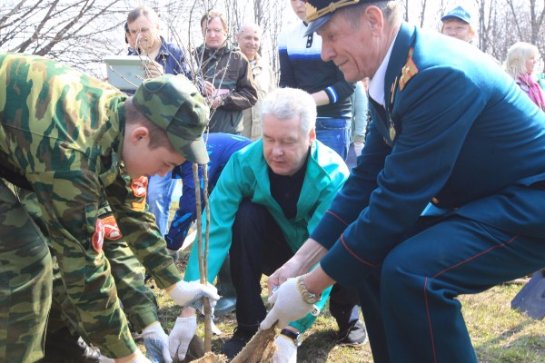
228 82
301 67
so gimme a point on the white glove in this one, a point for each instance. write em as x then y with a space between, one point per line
156 343
288 305
104 359
180 336
137 357
187 293
286 350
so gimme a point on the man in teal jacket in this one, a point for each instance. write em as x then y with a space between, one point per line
448 127
268 199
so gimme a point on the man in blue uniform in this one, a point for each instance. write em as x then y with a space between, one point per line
449 127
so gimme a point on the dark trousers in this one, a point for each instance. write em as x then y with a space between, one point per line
410 306
258 248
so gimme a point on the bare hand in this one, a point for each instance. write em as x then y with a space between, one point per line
215 102
153 69
304 259
358 147
209 89
290 269
135 357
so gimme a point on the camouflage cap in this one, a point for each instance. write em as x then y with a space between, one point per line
174 104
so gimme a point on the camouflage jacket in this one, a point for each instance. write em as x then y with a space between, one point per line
60 135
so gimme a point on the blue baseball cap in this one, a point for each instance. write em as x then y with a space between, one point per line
458 13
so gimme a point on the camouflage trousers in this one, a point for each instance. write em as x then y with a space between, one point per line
25 282
139 303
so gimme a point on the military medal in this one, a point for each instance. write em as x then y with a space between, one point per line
391 128
408 71
392 131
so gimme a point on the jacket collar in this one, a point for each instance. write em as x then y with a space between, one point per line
400 51
209 52
316 178
315 173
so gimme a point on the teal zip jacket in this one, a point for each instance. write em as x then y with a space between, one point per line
246 176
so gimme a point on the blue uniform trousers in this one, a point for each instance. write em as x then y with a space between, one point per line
411 309
335 133
160 189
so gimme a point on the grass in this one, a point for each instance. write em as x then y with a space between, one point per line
499 334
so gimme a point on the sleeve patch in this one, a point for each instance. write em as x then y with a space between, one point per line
139 206
139 186
97 240
111 229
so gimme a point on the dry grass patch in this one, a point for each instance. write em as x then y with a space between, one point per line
499 334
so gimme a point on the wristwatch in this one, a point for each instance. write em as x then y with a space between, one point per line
308 297
296 337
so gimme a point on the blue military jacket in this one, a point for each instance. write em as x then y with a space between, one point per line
456 131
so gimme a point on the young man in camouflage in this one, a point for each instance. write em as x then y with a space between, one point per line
71 139
65 340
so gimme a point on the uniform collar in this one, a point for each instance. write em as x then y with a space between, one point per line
380 86
118 144
376 84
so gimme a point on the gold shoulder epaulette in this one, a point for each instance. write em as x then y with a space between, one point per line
408 71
